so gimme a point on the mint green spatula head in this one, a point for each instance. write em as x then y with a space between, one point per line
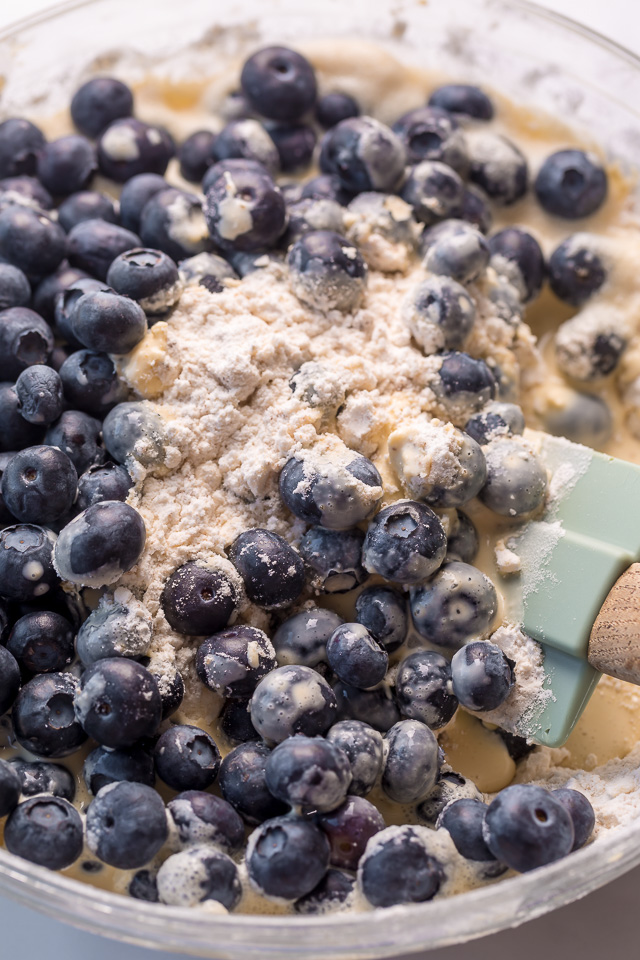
588 537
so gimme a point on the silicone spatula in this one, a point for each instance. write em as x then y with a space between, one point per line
578 593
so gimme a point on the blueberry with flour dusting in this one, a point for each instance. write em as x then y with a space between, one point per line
337 491
26 562
383 229
103 767
272 572
401 865
405 543
516 253
449 787
496 420
364 154
292 699
434 191
133 430
411 762
464 819
173 221
40 776
311 214
439 313
309 774
201 598
516 479
245 210
206 266
458 603
458 251
247 139
463 541
423 689
287 857
119 627
148 276
482 676
589 346
303 637
577 269
327 272
100 544
233 661
363 747
335 557
43 716
334 892
355 657
463 385
204 818
314 384
582 417
498 166
430 133
199 875
126 825
118 702
128 147
242 782
376 707
187 758
383 611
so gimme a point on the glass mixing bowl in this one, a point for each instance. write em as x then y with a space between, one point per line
536 58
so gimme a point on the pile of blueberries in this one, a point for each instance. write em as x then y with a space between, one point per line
315 714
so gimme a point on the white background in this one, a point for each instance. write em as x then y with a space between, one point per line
602 925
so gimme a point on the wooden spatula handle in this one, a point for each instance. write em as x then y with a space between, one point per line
614 644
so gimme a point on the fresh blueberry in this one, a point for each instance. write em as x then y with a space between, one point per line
364 154
271 570
335 556
114 629
118 702
25 192
91 382
173 221
86 205
195 155
208 267
355 657
43 716
204 818
78 435
423 689
279 83
327 272
103 767
26 562
99 102
20 143
171 687
335 495
45 294
521 251
482 676
459 251
39 485
332 893
571 184
31 241
196 876
375 707
245 210
326 186
67 165
187 758
198 600
100 544
363 747
580 811
6 520
498 167
14 287
233 661
143 886
405 543
516 479
129 147
464 819
463 542
10 788
526 827
580 417
287 857
429 133
42 642
576 271
247 140
41 776
382 610
295 144
235 722
9 680
450 786
46 831
456 604
132 430
476 209
464 381
93 245
412 762
434 191
464 99
148 276
39 390
349 828
302 639
439 313
334 107
126 825
309 774
107 322
232 166
25 340
292 699
135 195
65 302
496 420
242 781
399 867
106 481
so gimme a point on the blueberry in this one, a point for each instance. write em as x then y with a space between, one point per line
517 747
43 716
450 786
65 302
39 390
363 748
86 205
9 680
576 271
235 722
99 102
364 154
464 819
118 702
349 828
46 831
247 140
516 479
496 420
464 99
246 262
39 484
100 544
14 287
423 689
135 195
279 83
571 184
463 542
327 272
242 781
45 294
171 687
580 417
332 893
412 762
375 707
520 250
355 657
20 143
499 167
245 210
173 221
10 788
106 322
91 382
25 340
26 562
326 186
405 543
78 435
292 699
430 133
126 825
382 610
206 266
67 165
482 676
93 245
309 774
148 276
434 191
114 629
128 147
287 857
588 349
4 607
456 604
103 767
383 228
40 776
526 828
335 557
334 107
198 600
143 886
581 812
335 495
302 639
106 481
31 241
195 155
25 192
203 818
464 381
133 430
295 144
400 866
312 384
271 570
187 758
232 166
460 252
198 875
476 209
439 313
42 642
233 661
